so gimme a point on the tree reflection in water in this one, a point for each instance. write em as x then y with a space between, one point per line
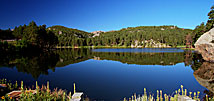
37 63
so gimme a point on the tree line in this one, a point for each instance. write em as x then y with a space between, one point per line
202 28
58 36
70 36
27 37
170 35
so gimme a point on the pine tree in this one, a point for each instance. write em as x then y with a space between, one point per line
210 22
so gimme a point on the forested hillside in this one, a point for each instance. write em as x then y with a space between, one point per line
60 36
146 36
143 36
69 36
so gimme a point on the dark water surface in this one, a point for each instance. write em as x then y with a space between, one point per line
108 74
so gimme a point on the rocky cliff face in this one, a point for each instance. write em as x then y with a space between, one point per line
205 45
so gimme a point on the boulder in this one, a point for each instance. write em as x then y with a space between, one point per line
205 45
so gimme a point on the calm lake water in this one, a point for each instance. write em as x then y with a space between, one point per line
108 74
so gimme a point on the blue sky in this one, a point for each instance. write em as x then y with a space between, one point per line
105 15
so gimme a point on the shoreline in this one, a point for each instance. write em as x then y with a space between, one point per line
71 47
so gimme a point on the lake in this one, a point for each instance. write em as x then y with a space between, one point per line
110 74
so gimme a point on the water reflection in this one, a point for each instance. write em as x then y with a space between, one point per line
34 64
203 73
140 50
113 75
39 63
71 56
205 76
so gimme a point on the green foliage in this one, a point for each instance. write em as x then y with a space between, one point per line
210 22
33 36
18 31
22 44
179 95
170 35
143 36
201 29
70 37
42 93
28 37
198 31
31 33
9 86
46 39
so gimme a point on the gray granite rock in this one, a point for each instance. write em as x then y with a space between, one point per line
205 46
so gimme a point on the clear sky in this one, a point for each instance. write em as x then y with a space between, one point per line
105 15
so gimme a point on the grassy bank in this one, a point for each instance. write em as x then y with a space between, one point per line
44 93
36 93
106 47
180 95
184 47
93 47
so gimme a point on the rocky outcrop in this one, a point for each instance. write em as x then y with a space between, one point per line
205 45
205 75
96 33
